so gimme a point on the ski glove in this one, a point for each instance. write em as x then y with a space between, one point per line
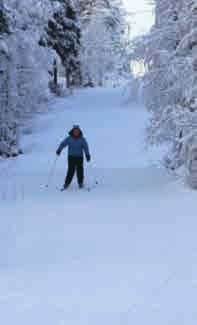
88 158
58 152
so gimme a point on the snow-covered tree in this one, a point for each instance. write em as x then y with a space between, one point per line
24 68
102 44
62 34
170 54
7 87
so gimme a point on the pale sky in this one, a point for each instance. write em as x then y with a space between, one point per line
143 17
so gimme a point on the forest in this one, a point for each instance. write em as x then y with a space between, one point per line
84 39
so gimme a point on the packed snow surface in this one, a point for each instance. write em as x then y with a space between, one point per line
123 253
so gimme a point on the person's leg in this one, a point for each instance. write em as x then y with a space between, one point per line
71 171
80 171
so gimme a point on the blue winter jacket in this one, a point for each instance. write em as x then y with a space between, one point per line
76 146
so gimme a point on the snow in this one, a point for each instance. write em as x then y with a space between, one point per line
124 253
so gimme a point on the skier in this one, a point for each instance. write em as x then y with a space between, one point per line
77 146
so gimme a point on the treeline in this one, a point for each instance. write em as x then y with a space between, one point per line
169 52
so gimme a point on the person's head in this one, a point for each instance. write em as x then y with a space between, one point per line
76 132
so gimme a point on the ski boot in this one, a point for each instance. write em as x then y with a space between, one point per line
64 188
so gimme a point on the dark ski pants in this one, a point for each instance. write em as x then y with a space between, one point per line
75 164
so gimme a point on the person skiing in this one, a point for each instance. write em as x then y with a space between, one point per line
77 146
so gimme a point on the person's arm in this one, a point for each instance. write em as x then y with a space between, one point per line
86 149
62 145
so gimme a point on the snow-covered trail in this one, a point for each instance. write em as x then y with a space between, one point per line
126 252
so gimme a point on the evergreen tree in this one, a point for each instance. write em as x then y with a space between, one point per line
63 35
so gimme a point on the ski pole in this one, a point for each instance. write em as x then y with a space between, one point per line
90 171
93 168
51 172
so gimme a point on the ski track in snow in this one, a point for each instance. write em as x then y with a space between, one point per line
124 253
